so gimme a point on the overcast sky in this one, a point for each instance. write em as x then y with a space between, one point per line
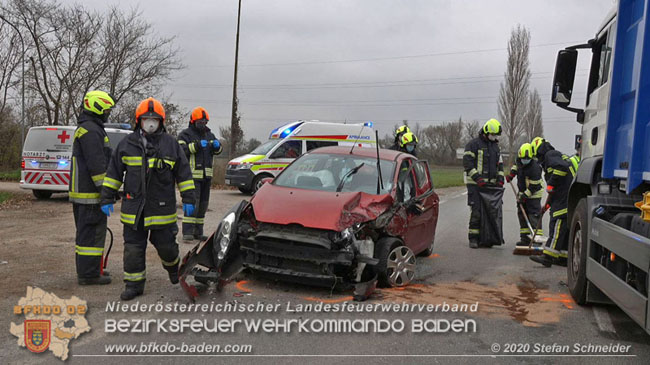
359 60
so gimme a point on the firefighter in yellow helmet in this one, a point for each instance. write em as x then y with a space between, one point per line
91 153
559 171
408 143
483 167
149 161
399 132
200 146
529 185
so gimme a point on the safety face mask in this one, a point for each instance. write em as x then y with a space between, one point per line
410 147
525 161
201 125
150 125
493 137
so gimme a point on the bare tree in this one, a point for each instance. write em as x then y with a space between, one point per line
9 62
452 137
533 121
513 94
471 130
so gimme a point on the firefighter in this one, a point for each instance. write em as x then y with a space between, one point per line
558 173
148 162
199 145
408 143
529 186
398 135
483 167
91 153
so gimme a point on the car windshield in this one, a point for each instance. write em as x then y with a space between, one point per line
325 171
265 147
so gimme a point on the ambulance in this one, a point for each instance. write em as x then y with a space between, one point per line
289 141
45 165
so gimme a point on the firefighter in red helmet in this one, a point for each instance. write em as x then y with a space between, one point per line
148 162
199 145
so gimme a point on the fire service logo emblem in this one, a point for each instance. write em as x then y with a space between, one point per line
37 334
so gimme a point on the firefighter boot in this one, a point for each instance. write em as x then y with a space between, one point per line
173 274
545 260
132 291
100 280
473 243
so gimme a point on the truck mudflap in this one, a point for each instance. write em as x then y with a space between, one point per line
215 260
629 246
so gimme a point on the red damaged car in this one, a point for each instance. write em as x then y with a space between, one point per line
332 217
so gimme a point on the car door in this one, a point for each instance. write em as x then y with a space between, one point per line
421 208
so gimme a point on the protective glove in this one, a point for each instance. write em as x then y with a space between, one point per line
204 143
481 183
509 177
107 209
500 182
549 189
216 144
546 207
188 209
521 198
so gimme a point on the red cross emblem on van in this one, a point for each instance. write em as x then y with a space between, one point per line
63 136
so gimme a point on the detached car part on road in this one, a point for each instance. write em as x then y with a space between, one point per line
331 218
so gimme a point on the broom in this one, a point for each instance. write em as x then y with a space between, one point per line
530 250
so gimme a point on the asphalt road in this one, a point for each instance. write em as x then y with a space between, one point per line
521 306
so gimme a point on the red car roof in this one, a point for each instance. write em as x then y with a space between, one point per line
384 154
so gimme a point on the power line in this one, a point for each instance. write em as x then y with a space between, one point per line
382 58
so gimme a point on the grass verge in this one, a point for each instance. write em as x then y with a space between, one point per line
4 196
447 176
11 175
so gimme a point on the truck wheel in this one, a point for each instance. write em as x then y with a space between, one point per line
42 194
396 265
577 260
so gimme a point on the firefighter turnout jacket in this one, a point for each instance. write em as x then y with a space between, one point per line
529 178
148 167
200 158
91 153
482 159
558 172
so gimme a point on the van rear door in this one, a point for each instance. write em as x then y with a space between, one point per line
46 153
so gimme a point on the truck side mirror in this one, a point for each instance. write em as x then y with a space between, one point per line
565 73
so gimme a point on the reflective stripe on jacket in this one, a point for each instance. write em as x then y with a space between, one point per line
149 193
529 178
559 175
200 158
91 152
482 159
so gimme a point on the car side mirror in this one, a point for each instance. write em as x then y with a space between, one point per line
565 72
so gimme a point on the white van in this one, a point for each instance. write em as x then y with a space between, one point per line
288 142
45 165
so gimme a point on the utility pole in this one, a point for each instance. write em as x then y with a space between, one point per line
22 110
235 128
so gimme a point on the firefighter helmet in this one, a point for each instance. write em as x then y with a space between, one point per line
492 126
150 107
537 141
401 130
526 151
199 113
98 102
407 138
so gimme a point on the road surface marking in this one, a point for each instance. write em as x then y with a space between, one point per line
603 319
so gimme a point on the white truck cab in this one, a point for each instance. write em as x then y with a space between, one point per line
288 142
45 165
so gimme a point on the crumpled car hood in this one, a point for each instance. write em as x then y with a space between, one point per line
317 209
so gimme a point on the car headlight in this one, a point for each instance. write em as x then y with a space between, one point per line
245 165
224 235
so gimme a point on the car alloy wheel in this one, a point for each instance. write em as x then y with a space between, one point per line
400 266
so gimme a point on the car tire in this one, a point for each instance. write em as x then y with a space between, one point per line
257 182
385 252
577 253
42 194
245 191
